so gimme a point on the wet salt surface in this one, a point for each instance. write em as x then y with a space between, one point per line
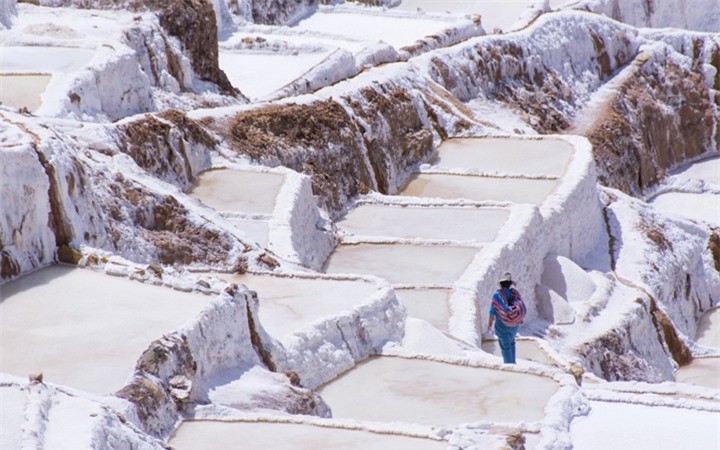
518 190
708 171
524 349
238 190
513 156
430 305
12 407
640 427
403 264
433 393
85 329
456 224
287 304
704 207
260 436
32 59
23 91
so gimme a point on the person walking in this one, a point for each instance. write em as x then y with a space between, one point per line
508 311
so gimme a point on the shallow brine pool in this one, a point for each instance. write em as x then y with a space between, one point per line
517 190
403 264
547 157
238 190
200 435
85 329
287 304
430 305
434 393
23 90
452 224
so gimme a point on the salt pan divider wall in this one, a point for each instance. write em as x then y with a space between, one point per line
568 222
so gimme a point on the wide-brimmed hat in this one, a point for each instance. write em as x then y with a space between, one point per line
506 277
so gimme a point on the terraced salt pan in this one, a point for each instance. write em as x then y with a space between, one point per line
708 171
617 425
32 59
701 372
85 329
547 157
524 349
703 207
704 371
242 69
495 13
23 91
238 190
197 435
12 415
402 264
453 224
287 304
257 230
433 393
453 187
396 31
430 305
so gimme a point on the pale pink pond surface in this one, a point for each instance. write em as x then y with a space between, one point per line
704 371
202 435
238 190
430 305
403 264
287 304
454 224
546 156
85 329
23 90
453 187
434 393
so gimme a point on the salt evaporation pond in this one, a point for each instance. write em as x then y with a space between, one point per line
243 191
430 305
547 157
703 207
704 371
23 90
403 264
495 13
708 171
200 435
12 416
85 329
456 224
611 425
524 349
434 393
36 59
517 190
287 304
242 69
257 230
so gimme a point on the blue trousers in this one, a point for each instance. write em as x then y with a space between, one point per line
506 338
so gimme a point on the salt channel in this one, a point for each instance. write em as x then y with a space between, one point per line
289 303
243 191
430 305
704 371
433 393
263 435
547 157
454 187
418 265
23 90
452 224
85 329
